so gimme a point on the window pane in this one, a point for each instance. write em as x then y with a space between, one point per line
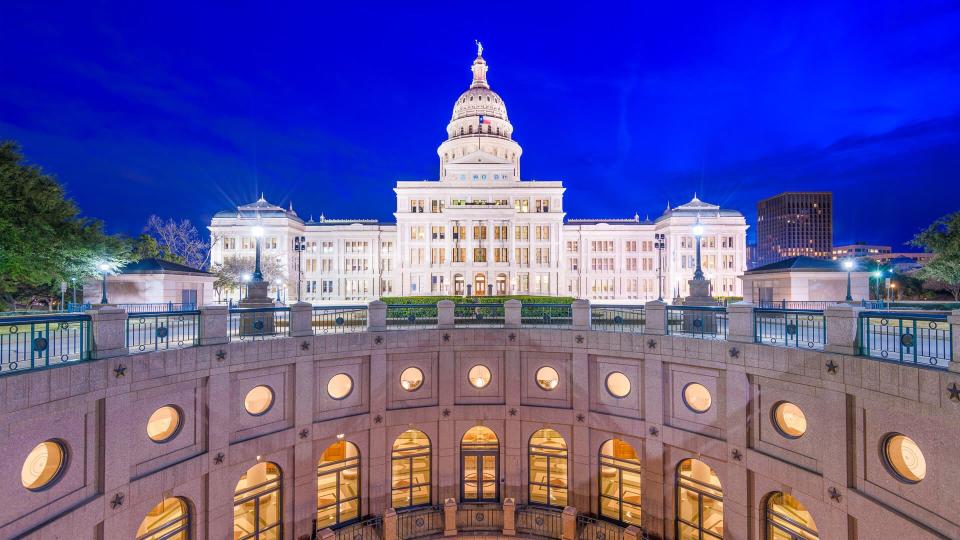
689 506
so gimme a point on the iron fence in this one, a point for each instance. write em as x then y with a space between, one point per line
704 322
259 323
420 522
478 315
370 528
790 328
618 318
155 331
156 307
410 315
479 517
924 340
546 315
590 528
539 521
29 343
338 319
796 304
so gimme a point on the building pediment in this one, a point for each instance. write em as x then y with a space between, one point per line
479 157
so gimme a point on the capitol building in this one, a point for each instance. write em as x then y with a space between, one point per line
481 230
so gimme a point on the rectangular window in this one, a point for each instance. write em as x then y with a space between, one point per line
437 256
573 246
417 232
438 232
500 232
521 205
522 256
459 255
436 206
543 256
500 255
630 245
479 255
542 232
573 264
543 206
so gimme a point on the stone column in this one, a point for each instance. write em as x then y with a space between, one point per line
954 320
511 313
445 310
655 313
450 517
214 325
509 517
740 322
109 332
843 322
390 524
581 314
377 316
301 319
569 520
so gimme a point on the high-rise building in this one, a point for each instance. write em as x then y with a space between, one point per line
795 223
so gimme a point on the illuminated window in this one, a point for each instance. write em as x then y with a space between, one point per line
411 379
620 482
904 458
789 420
618 384
169 520
787 519
338 485
699 502
479 376
697 397
163 424
339 386
410 469
257 509
258 400
43 465
480 465
547 378
548 468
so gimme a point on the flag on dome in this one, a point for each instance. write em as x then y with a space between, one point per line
484 120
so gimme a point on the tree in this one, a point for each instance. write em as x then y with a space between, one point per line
179 241
230 273
43 238
942 238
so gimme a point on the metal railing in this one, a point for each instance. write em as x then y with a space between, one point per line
162 330
338 319
540 521
796 304
30 343
412 315
618 318
805 329
924 340
704 322
479 517
546 315
478 315
258 323
370 528
418 523
156 307
591 528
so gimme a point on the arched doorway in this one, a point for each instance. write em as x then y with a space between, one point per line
699 502
548 468
257 509
479 465
480 285
620 474
501 284
787 519
169 520
410 465
338 485
458 287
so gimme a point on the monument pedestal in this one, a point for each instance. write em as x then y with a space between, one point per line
257 323
699 322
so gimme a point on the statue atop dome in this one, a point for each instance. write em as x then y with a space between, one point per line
479 47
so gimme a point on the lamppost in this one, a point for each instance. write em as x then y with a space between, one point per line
660 242
848 266
257 235
878 274
697 233
277 283
104 268
299 245
246 279
73 280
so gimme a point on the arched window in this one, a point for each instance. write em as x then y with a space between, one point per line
169 520
338 485
787 519
470 129
620 482
699 502
410 459
461 130
480 465
548 468
257 509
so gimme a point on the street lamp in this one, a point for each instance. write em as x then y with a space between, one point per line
246 279
104 268
299 245
74 281
848 266
697 233
257 235
660 242
277 282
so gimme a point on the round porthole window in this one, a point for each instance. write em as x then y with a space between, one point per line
904 458
479 376
618 384
789 420
43 465
411 379
697 397
339 386
547 378
258 400
163 424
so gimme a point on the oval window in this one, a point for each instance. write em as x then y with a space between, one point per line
547 378
411 379
43 465
479 376
258 400
697 397
618 384
339 386
904 458
163 424
789 420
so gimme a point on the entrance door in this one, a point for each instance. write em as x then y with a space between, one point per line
480 285
501 284
480 466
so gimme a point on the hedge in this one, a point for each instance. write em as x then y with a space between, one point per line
526 299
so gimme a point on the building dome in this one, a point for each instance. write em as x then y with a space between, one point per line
479 102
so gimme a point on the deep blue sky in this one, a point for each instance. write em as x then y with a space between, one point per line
183 110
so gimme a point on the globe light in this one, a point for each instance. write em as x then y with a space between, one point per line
877 274
257 231
245 278
104 267
698 230
848 265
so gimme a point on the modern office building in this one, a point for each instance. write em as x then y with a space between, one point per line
794 224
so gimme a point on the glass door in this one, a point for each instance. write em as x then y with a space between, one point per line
480 472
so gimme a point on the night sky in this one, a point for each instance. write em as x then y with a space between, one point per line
184 110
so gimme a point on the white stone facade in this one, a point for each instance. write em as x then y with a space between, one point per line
482 230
